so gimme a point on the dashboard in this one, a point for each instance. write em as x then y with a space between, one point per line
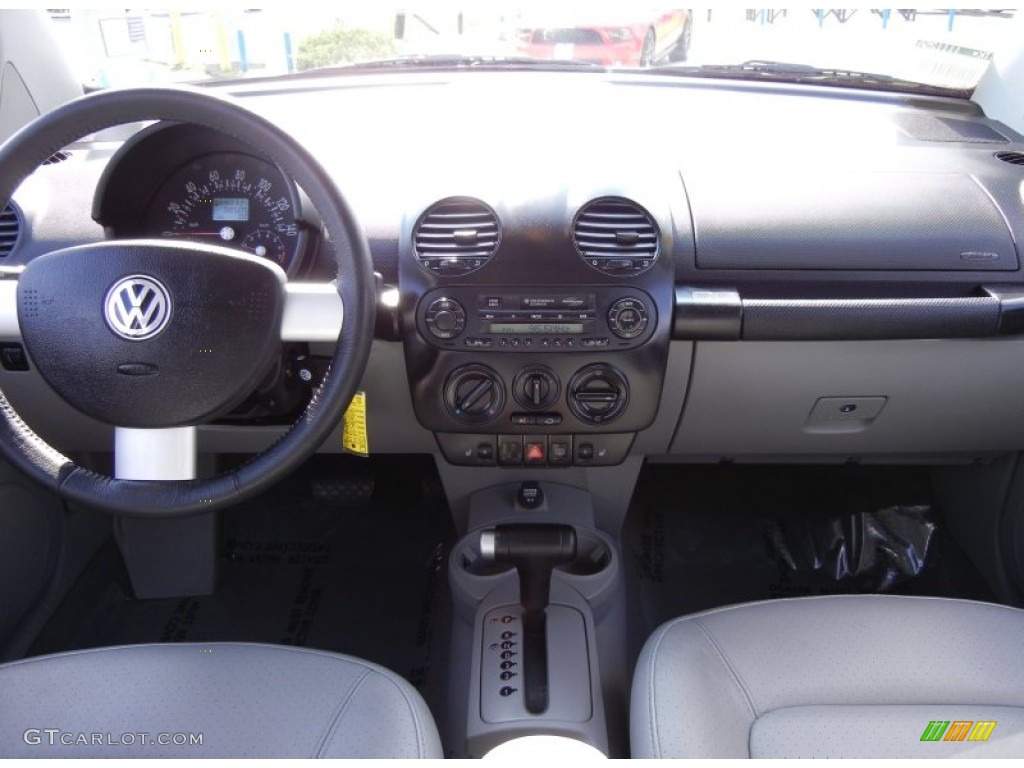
688 270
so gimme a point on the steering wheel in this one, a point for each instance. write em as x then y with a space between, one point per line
155 337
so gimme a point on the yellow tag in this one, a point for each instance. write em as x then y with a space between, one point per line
353 437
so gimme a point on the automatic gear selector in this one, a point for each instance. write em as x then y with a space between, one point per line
534 549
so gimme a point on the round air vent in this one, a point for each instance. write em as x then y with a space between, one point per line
1014 158
10 226
616 236
456 236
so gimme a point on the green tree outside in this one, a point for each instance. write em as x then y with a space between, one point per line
341 45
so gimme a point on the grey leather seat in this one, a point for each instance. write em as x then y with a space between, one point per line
244 700
841 676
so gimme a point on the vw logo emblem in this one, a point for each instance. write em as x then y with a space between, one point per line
137 307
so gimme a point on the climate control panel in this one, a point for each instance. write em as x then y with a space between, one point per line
528 320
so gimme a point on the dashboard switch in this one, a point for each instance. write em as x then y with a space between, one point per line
510 450
536 450
560 451
13 357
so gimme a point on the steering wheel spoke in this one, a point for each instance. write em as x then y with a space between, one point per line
9 327
312 312
155 454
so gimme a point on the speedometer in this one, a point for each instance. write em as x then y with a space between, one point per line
230 199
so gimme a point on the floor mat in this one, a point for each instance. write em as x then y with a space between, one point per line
701 537
315 562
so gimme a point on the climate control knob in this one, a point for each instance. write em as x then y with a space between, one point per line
536 387
598 394
628 318
474 394
445 318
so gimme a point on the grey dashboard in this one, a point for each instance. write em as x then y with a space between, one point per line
837 275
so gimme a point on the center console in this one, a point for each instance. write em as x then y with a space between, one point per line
564 682
536 334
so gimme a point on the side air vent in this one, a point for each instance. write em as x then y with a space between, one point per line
57 157
10 225
616 236
456 236
1014 158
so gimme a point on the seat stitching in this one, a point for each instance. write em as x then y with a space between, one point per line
652 725
732 671
752 604
339 714
417 720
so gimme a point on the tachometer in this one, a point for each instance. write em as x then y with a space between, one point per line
230 199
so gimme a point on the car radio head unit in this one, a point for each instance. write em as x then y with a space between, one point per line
602 316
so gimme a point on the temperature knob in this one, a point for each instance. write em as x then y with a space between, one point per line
627 318
445 318
474 394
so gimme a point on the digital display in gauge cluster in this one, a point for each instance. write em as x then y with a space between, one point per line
230 209
229 199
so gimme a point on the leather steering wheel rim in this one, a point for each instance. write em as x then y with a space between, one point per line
37 141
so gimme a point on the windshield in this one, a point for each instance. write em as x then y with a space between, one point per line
946 48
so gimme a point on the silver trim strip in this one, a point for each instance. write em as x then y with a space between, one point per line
312 312
155 454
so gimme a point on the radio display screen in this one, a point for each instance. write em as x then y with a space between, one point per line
534 328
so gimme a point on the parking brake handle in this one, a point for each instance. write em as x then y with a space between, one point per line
534 549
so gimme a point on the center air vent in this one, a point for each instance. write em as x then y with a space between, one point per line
10 225
616 236
456 236
1014 158
57 157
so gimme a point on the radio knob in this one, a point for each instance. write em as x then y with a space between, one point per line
628 318
445 318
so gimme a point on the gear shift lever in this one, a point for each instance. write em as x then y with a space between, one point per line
534 549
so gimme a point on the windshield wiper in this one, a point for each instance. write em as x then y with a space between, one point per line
446 61
787 72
